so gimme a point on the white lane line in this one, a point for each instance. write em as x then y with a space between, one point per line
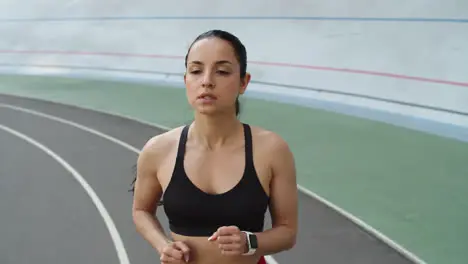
116 239
365 226
67 122
270 260
304 190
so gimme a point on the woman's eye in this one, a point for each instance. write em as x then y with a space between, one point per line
221 72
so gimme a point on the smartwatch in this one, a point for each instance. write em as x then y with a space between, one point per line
252 243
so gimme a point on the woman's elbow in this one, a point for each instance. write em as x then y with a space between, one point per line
138 217
292 240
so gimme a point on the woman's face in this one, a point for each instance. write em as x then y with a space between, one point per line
213 77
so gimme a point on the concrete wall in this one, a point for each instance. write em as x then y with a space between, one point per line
375 63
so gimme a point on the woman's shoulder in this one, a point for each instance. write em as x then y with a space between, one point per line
271 147
162 143
268 140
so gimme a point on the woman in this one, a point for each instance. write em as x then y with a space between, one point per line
217 175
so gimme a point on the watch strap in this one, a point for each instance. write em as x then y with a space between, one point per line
251 250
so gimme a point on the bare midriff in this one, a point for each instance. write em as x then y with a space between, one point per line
203 251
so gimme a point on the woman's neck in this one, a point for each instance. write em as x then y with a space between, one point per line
215 131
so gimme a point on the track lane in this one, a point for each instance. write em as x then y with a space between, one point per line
326 236
46 215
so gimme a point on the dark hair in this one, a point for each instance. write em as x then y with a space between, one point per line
239 50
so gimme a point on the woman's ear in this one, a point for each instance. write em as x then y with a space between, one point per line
244 83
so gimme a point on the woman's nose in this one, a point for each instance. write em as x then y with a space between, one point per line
208 80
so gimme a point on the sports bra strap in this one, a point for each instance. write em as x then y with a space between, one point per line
182 142
248 146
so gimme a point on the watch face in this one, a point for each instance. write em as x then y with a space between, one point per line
253 241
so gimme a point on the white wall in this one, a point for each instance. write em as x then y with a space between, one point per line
296 52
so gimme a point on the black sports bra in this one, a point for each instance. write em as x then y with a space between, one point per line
193 212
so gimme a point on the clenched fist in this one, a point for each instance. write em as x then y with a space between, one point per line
175 252
231 240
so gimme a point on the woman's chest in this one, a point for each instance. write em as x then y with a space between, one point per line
216 172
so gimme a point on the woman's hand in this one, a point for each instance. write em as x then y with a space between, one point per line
231 240
175 252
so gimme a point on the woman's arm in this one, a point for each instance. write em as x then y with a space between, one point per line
283 205
147 193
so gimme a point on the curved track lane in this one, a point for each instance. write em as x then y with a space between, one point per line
42 222
51 219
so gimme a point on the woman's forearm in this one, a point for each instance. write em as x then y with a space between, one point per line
151 230
275 240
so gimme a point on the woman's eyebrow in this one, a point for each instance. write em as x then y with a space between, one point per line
218 62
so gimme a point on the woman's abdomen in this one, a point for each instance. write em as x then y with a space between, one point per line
203 251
